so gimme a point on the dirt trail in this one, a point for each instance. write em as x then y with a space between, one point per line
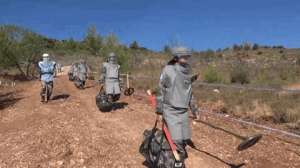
70 131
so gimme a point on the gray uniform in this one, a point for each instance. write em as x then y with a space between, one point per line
110 75
75 69
82 70
176 88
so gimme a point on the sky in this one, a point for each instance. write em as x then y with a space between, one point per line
198 24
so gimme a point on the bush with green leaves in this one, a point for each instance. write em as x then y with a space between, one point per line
240 73
211 75
93 41
255 47
134 45
21 49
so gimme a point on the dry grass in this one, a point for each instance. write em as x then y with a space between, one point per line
254 105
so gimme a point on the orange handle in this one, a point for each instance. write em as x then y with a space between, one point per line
171 143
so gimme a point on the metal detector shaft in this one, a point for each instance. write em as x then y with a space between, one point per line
127 80
129 90
222 129
246 143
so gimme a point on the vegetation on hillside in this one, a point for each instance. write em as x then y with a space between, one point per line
21 49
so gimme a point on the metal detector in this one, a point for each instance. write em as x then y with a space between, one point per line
246 143
129 90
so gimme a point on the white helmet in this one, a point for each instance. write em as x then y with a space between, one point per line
181 51
45 55
112 57
112 54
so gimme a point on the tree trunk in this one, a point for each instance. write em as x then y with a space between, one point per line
20 69
27 69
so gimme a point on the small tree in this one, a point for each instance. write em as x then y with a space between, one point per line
247 46
211 75
31 48
111 41
20 48
93 40
70 44
237 47
255 47
167 49
7 54
134 45
240 73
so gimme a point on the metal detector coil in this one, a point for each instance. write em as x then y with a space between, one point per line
128 91
248 142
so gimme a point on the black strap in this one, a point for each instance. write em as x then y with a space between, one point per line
160 147
155 124
43 73
154 129
102 89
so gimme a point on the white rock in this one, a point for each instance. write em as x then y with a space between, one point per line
216 90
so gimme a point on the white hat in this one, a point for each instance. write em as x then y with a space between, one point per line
112 54
45 55
181 51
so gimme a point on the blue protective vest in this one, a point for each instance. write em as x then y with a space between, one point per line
47 69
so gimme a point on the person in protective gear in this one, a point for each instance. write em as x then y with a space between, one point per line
111 78
71 71
176 94
58 68
47 68
80 71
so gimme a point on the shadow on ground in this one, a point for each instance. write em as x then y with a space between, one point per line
61 96
119 105
91 86
8 99
231 165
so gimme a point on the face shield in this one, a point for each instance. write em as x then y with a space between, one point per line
46 59
182 55
112 59
184 59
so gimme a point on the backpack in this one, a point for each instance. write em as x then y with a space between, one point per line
156 150
102 101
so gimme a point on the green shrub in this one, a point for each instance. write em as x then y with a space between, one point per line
255 47
211 75
239 74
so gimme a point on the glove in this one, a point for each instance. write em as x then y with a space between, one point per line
158 112
194 78
159 105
